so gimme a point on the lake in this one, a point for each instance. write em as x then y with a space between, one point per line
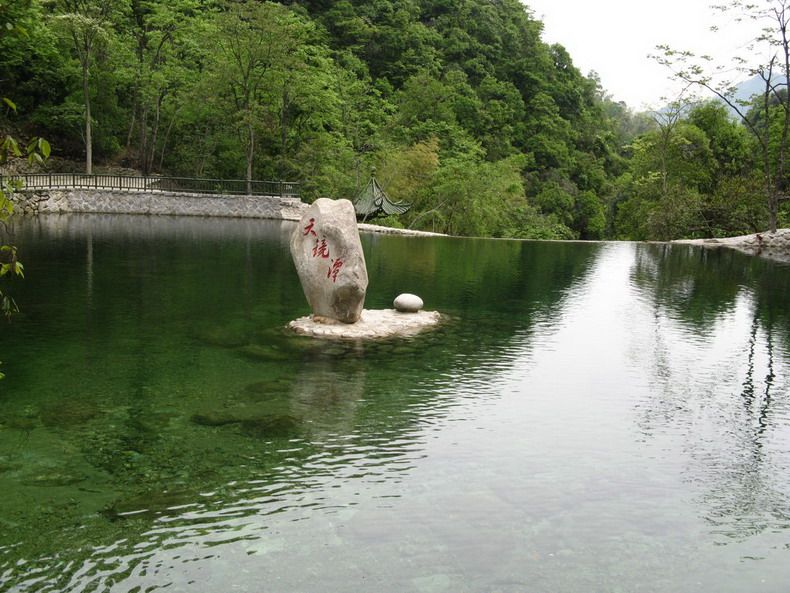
590 417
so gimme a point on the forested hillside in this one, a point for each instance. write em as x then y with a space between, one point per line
458 104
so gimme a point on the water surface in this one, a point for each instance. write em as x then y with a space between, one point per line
592 417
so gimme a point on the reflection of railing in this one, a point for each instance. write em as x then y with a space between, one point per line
288 189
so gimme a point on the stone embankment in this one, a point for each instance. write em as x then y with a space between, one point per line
101 201
774 246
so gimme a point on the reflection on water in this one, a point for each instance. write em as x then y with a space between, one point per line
720 337
605 417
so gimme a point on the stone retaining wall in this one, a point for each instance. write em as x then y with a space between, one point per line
157 202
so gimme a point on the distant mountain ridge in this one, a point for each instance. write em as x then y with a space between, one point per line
747 89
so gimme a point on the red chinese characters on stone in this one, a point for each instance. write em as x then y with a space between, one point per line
321 249
308 229
334 269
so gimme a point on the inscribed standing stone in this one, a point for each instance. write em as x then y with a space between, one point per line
328 257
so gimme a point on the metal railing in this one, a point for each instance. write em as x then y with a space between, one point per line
151 183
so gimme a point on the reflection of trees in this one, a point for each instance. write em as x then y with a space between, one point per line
698 298
749 500
697 285
204 411
758 404
480 279
694 285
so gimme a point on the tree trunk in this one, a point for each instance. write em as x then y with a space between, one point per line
142 157
283 133
205 152
773 210
166 138
131 128
771 181
88 132
155 134
250 157
773 207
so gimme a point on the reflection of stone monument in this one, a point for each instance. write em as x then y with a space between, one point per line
326 396
328 256
329 260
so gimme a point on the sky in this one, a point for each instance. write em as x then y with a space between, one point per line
614 38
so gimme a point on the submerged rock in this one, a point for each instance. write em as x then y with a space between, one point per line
268 389
54 478
8 466
329 260
221 336
263 352
67 413
149 504
21 422
213 419
268 427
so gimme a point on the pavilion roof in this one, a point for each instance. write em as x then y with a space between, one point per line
373 200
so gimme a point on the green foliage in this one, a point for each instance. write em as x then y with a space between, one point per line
408 172
767 116
590 216
36 151
462 108
555 200
86 28
473 198
729 141
692 177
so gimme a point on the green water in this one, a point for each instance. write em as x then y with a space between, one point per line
591 417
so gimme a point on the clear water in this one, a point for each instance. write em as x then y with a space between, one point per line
592 417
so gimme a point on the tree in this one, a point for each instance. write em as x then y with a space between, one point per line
729 140
399 43
426 110
87 23
672 169
501 117
258 44
364 112
407 173
773 104
550 135
677 151
307 106
167 62
474 198
33 70
733 201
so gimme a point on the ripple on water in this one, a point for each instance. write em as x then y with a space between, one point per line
591 418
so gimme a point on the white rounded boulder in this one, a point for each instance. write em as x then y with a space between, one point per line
407 303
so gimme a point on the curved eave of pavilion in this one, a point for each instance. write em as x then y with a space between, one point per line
373 199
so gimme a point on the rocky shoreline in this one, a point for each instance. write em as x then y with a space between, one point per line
385 230
775 246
